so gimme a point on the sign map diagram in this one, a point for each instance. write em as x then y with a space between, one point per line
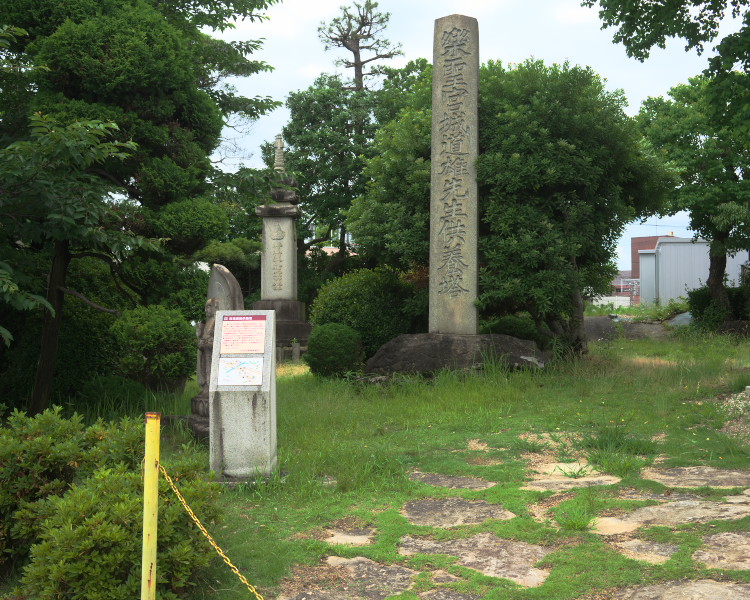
240 371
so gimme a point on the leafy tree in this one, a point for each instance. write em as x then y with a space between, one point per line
408 86
390 221
49 200
561 170
331 123
148 66
642 25
329 130
714 166
359 31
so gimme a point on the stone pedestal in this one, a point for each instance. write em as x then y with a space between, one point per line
453 201
242 396
290 320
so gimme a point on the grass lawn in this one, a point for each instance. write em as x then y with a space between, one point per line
346 447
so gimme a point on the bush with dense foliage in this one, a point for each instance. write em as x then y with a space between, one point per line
158 344
707 313
373 302
522 327
89 543
333 349
42 456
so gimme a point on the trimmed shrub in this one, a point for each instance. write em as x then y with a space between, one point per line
174 284
158 345
90 539
373 302
333 349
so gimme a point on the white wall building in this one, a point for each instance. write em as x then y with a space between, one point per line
678 265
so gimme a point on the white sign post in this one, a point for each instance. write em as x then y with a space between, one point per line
242 395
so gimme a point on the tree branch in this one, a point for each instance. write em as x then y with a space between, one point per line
114 271
85 300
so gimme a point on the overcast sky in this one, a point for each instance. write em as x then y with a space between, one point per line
509 30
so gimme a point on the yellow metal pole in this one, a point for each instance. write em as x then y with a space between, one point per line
150 506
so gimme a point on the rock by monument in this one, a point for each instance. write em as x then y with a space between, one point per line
278 291
453 197
429 352
224 293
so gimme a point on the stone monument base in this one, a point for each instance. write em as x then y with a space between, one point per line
198 419
426 352
290 320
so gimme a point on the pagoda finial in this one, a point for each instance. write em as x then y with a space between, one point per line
278 164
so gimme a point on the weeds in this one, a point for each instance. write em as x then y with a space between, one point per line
575 472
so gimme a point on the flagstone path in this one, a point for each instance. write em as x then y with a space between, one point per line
523 563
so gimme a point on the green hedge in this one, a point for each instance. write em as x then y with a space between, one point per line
90 541
333 349
158 344
374 302
71 509
42 456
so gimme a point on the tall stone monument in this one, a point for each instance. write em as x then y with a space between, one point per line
453 341
224 293
278 288
453 201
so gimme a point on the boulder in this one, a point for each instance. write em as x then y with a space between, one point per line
427 352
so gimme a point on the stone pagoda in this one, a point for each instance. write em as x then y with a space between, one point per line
278 289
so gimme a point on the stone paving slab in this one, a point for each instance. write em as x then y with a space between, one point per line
704 589
743 498
444 577
370 580
561 484
488 554
643 550
452 512
325 595
350 536
666 496
728 550
451 481
671 514
565 469
693 477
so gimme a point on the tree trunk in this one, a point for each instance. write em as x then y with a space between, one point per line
716 271
359 76
577 331
45 369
